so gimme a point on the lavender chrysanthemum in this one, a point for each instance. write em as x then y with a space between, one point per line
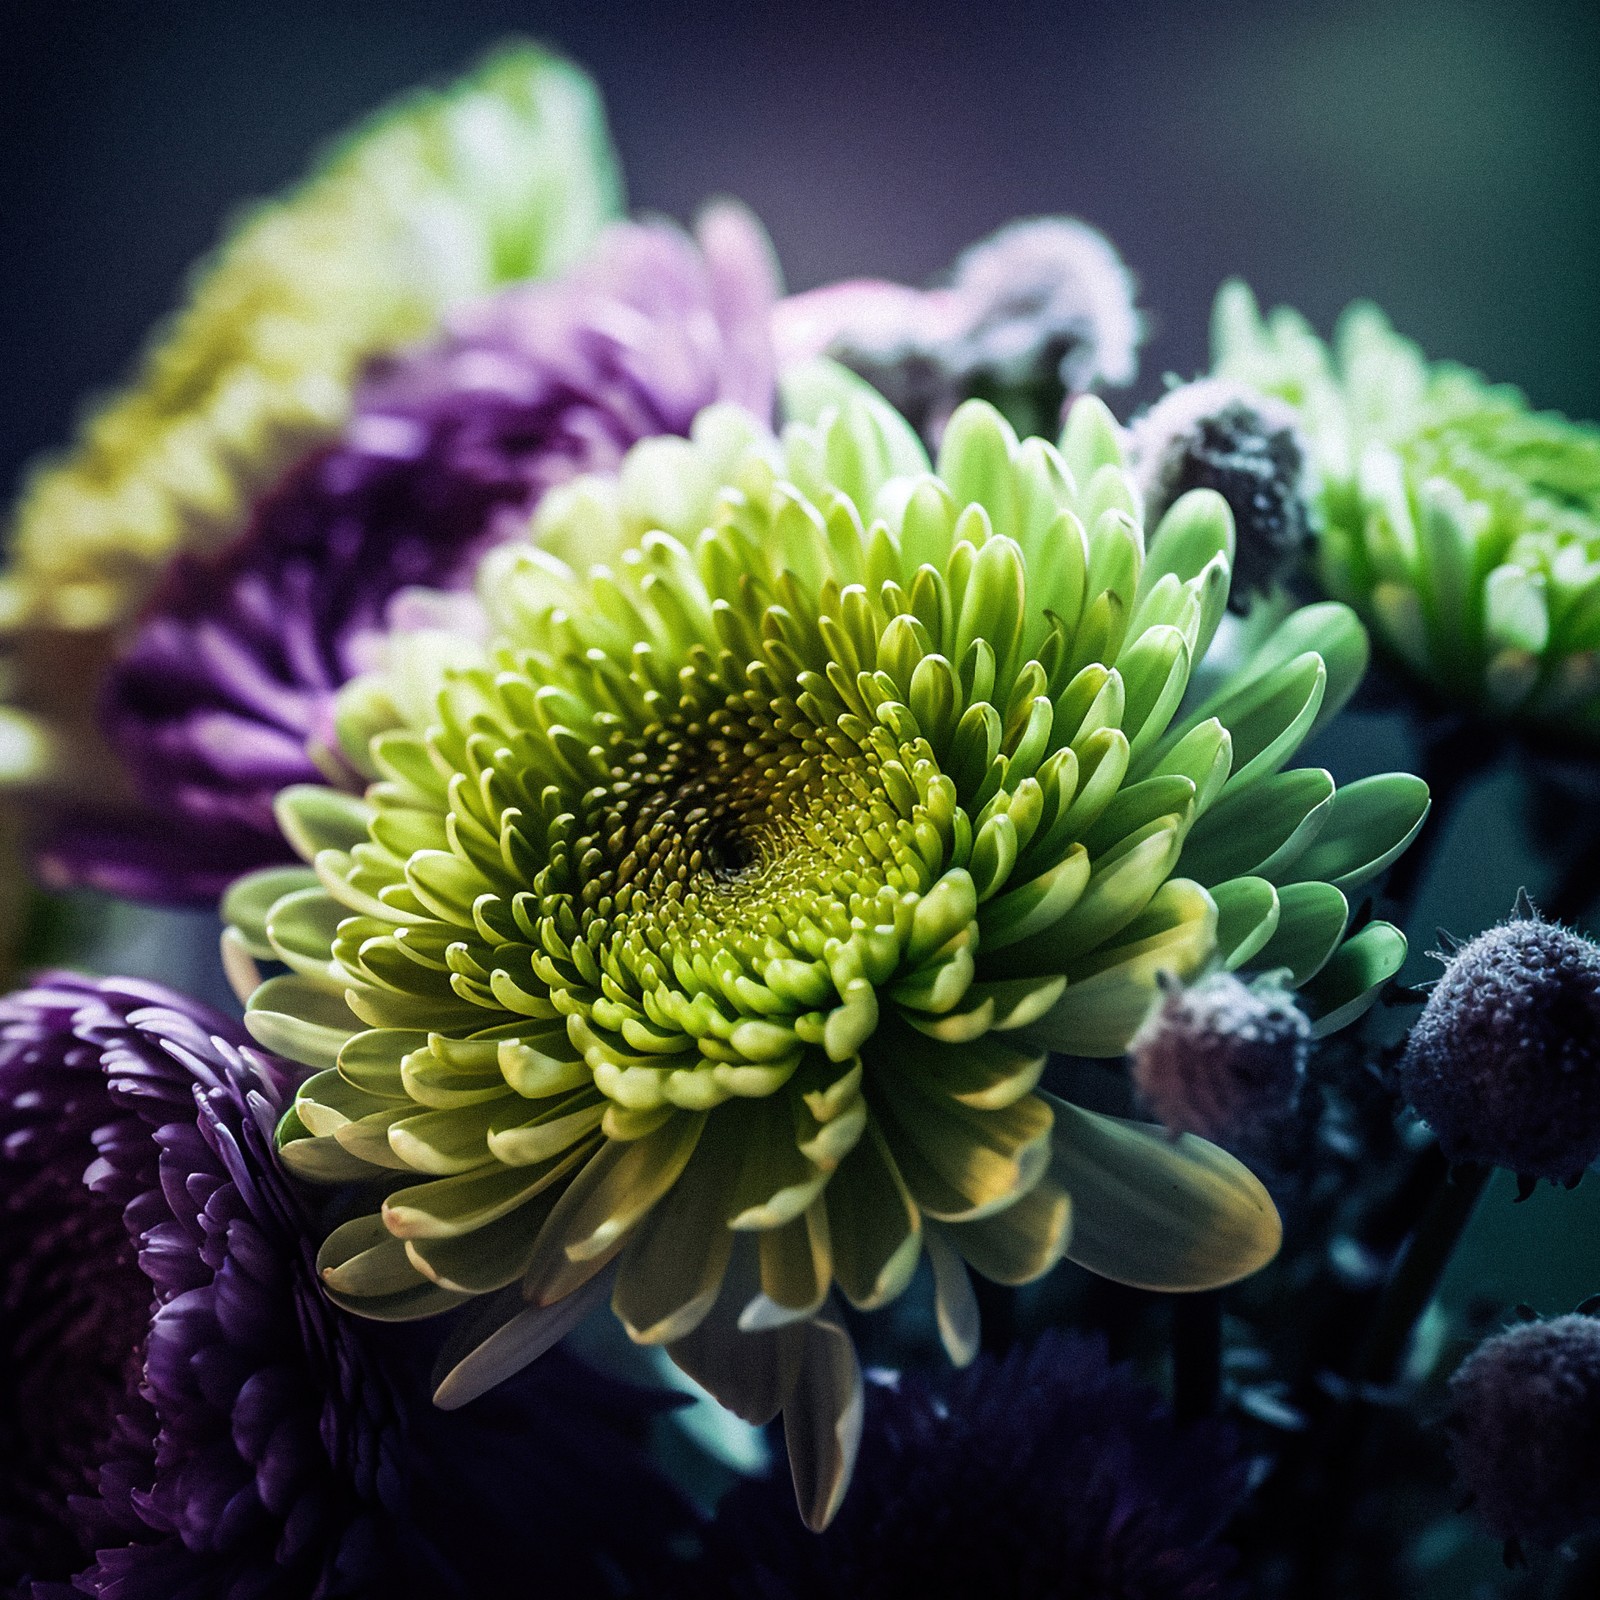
1047 1475
182 1413
213 703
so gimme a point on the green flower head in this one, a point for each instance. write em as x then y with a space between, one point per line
1464 527
704 935
504 175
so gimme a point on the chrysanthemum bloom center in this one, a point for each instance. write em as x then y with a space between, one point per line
763 847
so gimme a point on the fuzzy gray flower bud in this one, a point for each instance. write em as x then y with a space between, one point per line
1218 435
1223 1059
1504 1062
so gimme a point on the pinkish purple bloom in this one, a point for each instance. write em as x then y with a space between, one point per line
233 667
183 1413
1032 317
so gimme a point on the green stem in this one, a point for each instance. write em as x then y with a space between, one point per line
1196 1355
1416 1276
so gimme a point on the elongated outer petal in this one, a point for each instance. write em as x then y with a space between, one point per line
487 1351
1156 1212
822 1421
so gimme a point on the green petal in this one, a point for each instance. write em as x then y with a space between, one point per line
488 1258
1517 611
1119 888
673 1268
1260 829
1021 1243
316 1160
1311 921
822 1421
301 928
1111 992
1270 717
368 1273
1349 983
249 901
955 1306
449 1207
796 1271
1195 529
957 1162
1247 917
505 1338
1091 439
1159 1213
873 1224
605 1201
1335 633
752 1374
292 1017
811 389
1036 905
314 817
445 1142
1369 824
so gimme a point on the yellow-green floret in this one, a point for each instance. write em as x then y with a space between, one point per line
504 175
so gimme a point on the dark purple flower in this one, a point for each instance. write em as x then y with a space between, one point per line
1047 1475
233 667
183 1413
1525 1426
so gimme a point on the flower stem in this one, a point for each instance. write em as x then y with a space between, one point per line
1196 1355
1453 755
1416 1276
997 1314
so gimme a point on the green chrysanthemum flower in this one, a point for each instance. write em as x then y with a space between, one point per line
717 920
505 175
1464 527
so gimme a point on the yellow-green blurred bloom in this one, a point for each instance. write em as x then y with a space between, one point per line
1463 526
703 936
504 175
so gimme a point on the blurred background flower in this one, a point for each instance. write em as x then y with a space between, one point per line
507 175
226 680
1462 524
1047 1475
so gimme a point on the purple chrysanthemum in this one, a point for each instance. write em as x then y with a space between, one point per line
1047 1475
182 1412
232 669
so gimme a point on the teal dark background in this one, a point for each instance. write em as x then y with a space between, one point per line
1438 155
1442 158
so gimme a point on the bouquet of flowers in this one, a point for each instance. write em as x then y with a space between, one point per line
784 958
